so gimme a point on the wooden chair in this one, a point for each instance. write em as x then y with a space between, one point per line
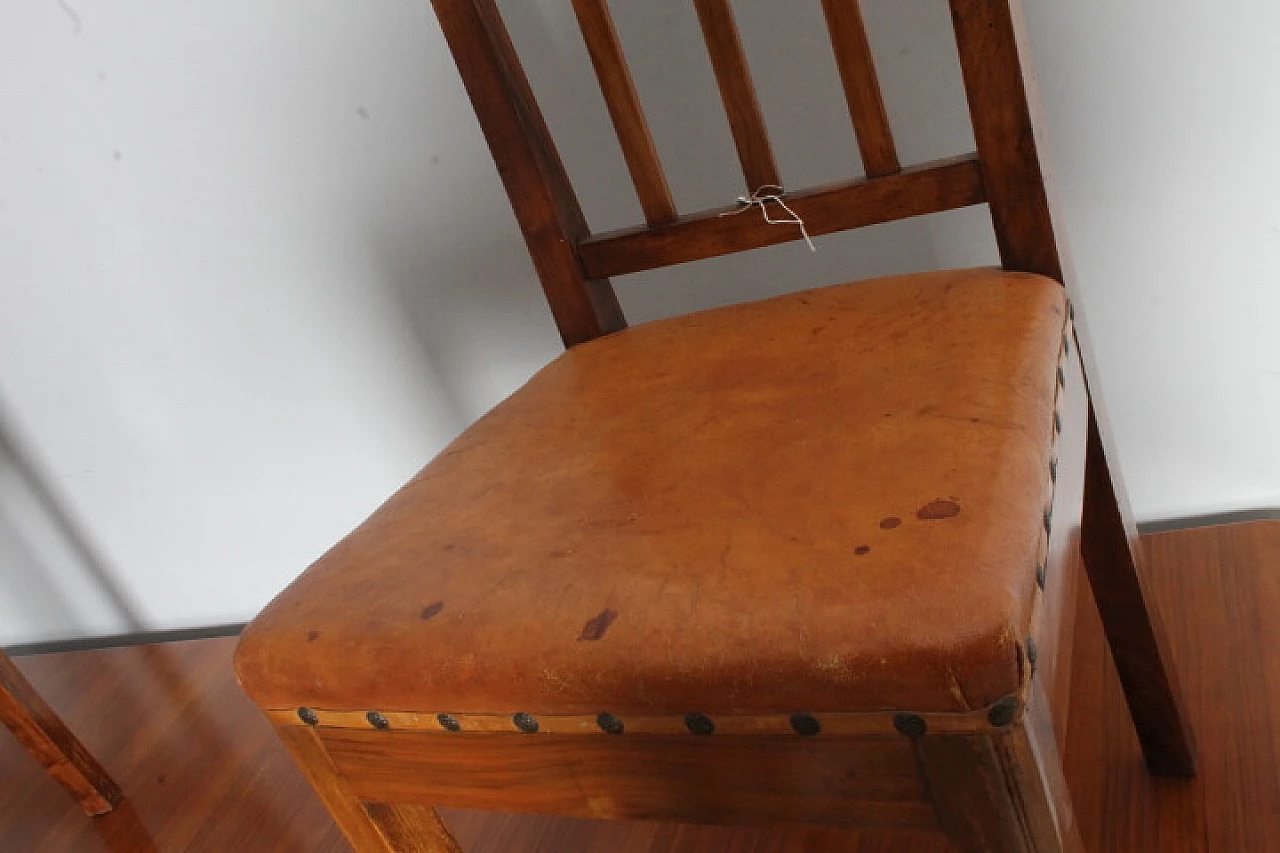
804 560
42 732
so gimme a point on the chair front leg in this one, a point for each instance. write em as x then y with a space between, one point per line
1003 792
370 827
45 736
411 829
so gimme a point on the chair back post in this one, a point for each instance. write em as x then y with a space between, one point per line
998 80
542 197
1005 110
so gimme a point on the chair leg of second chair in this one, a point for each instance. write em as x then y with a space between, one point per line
39 729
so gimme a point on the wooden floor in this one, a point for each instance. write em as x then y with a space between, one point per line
202 772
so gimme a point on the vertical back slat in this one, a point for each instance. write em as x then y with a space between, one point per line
624 108
861 87
541 196
738 93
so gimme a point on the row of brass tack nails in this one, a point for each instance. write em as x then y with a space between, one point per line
1060 387
1000 715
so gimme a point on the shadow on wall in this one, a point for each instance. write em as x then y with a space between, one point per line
53 560
455 260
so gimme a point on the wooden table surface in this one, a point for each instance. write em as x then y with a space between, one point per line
202 771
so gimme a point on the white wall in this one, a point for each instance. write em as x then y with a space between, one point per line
256 266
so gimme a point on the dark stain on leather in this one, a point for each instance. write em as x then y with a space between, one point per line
890 522
862 550
597 625
431 611
312 636
938 510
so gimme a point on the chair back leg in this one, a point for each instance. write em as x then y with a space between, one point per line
1112 559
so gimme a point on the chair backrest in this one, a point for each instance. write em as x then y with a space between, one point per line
574 265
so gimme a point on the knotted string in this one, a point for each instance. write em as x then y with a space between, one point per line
761 198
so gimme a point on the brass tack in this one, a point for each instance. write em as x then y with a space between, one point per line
308 716
1040 574
1053 470
700 724
1048 521
910 725
610 724
806 725
1057 422
377 720
449 722
526 723
1003 712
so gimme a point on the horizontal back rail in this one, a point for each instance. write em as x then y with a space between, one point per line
930 188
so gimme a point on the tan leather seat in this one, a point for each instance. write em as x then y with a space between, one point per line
828 501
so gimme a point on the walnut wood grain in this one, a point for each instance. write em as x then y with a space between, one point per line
624 109
738 93
38 728
411 829
733 780
929 188
543 200
861 87
1004 107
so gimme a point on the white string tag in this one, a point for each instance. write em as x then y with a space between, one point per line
761 198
